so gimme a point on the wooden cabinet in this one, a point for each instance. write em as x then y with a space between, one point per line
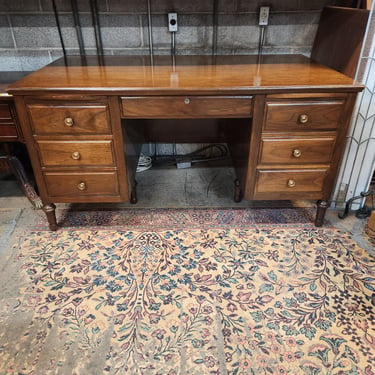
285 119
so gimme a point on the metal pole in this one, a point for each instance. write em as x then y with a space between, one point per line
58 26
95 20
151 47
78 27
214 30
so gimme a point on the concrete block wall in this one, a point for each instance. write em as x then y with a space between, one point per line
29 37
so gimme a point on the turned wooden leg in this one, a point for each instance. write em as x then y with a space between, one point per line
237 191
133 194
50 211
320 212
19 171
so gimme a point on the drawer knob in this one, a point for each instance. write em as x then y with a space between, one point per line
76 155
68 121
297 153
303 119
291 183
81 186
187 101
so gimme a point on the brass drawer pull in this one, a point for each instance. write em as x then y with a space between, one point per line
291 183
297 153
81 186
187 101
303 119
76 155
68 121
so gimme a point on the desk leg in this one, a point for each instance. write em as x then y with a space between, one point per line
320 213
237 191
133 194
50 211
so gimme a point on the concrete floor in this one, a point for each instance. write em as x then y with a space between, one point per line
167 188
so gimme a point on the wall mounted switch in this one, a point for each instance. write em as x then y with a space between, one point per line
264 13
172 22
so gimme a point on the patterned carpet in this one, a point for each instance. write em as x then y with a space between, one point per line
188 292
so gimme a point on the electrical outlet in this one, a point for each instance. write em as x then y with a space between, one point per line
264 13
172 22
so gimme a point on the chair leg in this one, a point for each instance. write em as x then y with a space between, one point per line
18 170
370 227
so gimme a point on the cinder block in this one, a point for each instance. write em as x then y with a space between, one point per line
6 40
237 30
66 6
129 6
35 31
19 5
23 60
121 31
182 6
291 35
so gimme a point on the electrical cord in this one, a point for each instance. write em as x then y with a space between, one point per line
196 156
144 163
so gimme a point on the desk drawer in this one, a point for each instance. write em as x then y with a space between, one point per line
5 113
297 150
281 182
302 115
73 153
69 119
8 132
187 106
81 184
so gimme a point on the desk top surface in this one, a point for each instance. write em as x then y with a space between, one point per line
241 74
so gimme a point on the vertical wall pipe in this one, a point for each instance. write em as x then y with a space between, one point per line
151 47
214 28
78 27
58 27
95 21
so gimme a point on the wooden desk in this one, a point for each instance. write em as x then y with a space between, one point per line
284 118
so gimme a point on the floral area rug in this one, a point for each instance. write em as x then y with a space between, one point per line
219 297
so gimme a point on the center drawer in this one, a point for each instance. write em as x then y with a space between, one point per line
186 106
76 153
